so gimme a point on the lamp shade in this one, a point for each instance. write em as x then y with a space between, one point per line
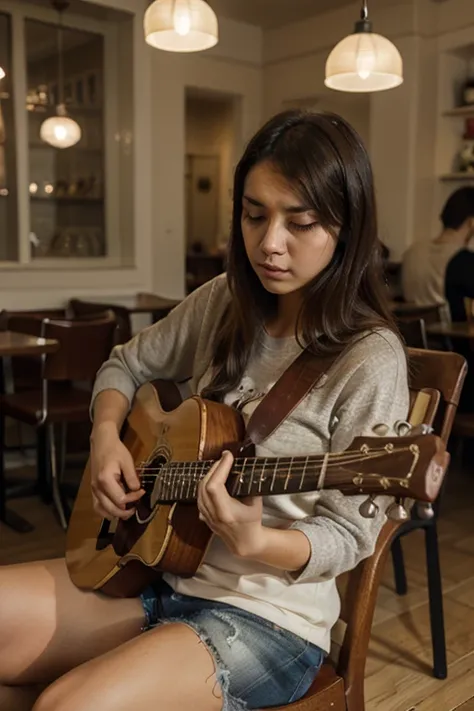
2 73
364 62
60 131
181 25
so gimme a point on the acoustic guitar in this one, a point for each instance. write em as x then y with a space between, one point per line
174 449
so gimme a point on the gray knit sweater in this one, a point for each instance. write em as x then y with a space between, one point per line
366 387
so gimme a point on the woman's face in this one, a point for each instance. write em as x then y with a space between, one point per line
285 244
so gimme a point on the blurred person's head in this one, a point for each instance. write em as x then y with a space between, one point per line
458 213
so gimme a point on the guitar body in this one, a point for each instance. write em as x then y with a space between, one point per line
167 537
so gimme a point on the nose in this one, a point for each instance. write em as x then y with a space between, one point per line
273 241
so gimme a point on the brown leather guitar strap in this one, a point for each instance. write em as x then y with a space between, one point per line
286 394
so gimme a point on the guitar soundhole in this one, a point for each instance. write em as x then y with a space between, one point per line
105 536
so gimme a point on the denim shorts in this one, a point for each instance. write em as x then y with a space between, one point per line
258 664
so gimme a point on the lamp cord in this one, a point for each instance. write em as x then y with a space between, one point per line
364 12
60 62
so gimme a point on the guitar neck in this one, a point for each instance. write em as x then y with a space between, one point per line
261 476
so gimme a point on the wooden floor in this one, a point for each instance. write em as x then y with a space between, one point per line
398 674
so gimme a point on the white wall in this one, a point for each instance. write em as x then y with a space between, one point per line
233 66
294 65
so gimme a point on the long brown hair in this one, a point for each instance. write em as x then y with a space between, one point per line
325 159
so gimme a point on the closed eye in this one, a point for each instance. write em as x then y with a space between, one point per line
254 218
304 228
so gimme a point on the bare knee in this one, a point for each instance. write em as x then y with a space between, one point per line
11 624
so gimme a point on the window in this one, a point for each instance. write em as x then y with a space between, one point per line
74 203
66 185
8 202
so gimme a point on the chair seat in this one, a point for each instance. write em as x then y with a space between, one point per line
64 405
326 693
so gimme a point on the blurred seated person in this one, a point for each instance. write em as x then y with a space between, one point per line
459 286
424 263
459 283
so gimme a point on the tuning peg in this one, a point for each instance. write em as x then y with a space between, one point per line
380 430
424 510
368 508
402 428
422 429
397 512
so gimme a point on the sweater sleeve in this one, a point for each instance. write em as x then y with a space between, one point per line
377 392
164 350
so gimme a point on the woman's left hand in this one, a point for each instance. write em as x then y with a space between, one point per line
237 521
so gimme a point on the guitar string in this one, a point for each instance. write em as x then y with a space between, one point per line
183 470
184 467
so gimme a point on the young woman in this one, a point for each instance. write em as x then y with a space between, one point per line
252 627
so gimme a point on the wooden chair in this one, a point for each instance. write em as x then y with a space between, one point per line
413 332
432 313
342 688
84 346
79 309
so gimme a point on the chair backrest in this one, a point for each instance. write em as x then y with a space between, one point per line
443 372
84 345
26 370
158 306
413 332
79 309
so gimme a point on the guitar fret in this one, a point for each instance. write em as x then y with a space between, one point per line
189 487
249 489
173 484
183 482
275 466
241 479
262 474
196 479
303 474
288 475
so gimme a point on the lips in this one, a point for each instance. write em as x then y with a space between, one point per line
272 268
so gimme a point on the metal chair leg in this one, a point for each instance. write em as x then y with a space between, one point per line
399 567
63 450
57 498
43 464
435 593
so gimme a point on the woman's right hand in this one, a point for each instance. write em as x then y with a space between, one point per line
114 480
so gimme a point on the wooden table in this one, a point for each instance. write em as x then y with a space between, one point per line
152 304
461 329
20 344
17 344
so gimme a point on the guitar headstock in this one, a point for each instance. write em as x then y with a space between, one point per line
404 467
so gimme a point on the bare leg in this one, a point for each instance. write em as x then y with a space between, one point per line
49 626
167 668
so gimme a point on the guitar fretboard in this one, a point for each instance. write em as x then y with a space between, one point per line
252 476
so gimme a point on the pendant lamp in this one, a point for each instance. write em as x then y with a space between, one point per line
364 61
60 131
181 25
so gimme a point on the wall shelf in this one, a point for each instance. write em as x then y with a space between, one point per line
460 176
461 112
66 200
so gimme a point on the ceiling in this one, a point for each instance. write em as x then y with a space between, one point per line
274 13
266 13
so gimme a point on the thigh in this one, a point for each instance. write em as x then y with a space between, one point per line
165 669
49 626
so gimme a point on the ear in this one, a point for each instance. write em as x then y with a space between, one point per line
469 223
